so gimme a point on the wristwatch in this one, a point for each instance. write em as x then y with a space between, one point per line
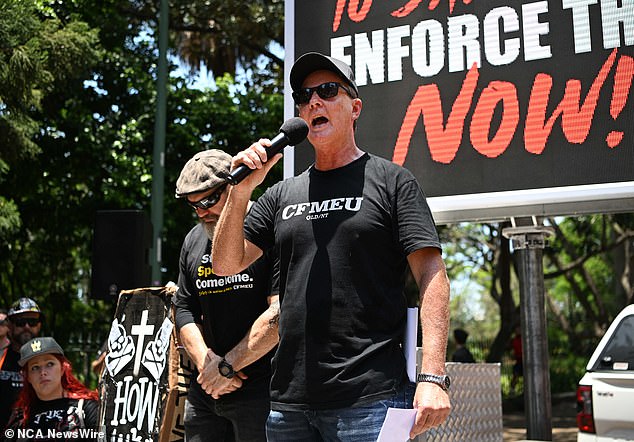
226 369
442 381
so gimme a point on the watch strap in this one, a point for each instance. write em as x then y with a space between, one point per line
442 381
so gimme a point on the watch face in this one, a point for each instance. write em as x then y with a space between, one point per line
225 369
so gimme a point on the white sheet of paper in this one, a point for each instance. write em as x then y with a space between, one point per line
397 424
410 342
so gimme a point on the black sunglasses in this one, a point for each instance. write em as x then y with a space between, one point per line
324 90
210 201
3 322
21 322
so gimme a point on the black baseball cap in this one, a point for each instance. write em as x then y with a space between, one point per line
314 61
38 346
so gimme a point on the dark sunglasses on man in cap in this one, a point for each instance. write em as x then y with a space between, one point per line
324 90
21 322
209 201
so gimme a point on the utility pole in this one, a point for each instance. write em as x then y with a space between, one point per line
529 239
158 173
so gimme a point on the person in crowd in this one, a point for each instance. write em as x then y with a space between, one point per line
345 231
518 365
461 353
4 334
52 398
227 325
25 323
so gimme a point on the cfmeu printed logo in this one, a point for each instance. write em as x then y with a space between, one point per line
320 209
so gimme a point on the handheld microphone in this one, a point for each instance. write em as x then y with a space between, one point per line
292 132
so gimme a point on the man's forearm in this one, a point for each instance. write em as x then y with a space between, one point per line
430 274
434 316
228 247
259 340
192 339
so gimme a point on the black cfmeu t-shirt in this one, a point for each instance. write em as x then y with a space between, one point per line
226 306
343 237
60 420
10 385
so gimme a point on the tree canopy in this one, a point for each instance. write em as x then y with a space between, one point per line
77 111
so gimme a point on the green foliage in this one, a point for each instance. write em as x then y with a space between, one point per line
77 111
77 119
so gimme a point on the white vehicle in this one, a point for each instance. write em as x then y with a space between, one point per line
605 396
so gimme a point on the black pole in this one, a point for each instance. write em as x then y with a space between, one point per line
529 242
158 173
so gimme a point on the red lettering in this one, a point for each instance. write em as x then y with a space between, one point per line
496 91
576 114
356 13
411 5
443 141
622 84
576 119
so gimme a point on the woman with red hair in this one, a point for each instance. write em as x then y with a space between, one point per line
53 404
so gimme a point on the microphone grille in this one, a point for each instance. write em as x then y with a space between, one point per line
295 130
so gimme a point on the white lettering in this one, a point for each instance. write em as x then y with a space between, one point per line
131 436
132 400
221 282
301 207
580 23
369 58
338 47
356 207
611 16
462 40
288 211
318 207
428 48
321 207
533 29
317 216
496 53
335 204
380 56
396 52
137 404
120 401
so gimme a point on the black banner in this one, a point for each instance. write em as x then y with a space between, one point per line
479 96
136 379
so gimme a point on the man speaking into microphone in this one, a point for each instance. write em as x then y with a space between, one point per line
345 231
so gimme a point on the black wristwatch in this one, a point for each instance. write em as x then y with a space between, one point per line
226 369
442 381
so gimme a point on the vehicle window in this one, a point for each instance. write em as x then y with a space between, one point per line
619 352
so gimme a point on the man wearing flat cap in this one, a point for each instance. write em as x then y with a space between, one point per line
228 325
346 231
25 322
